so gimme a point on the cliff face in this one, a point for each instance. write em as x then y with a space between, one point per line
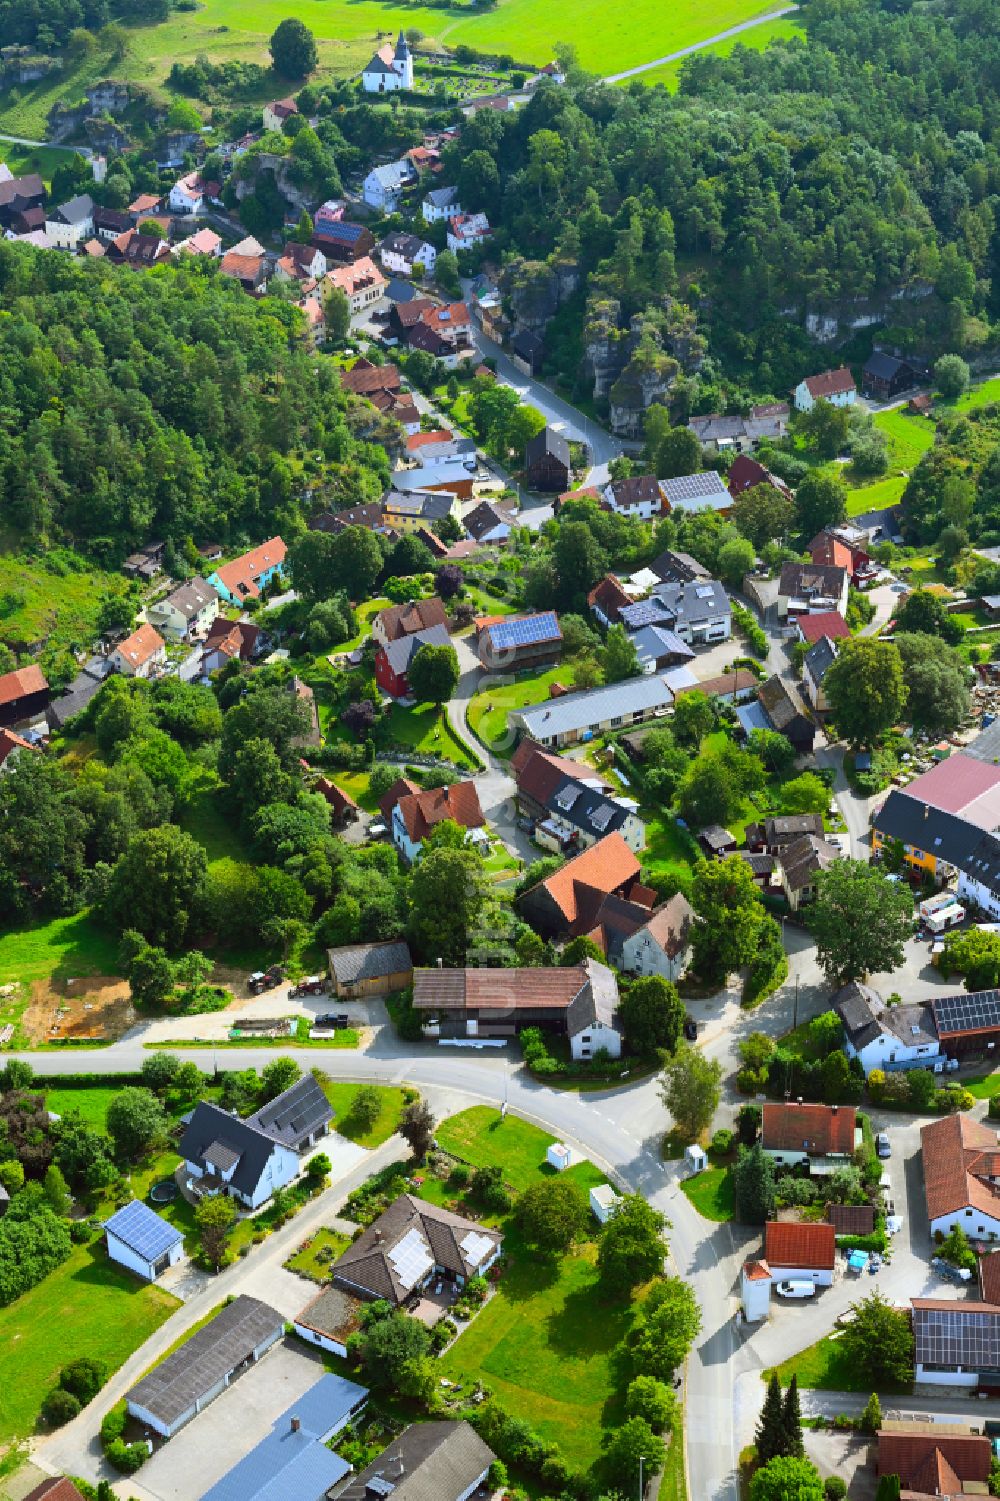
533 291
635 367
282 169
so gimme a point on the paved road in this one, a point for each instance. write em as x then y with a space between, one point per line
856 809
710 41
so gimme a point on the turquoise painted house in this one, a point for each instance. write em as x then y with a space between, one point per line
247 577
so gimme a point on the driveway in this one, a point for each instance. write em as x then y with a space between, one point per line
202 1452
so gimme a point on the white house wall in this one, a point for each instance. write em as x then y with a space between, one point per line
599 1037
822 1277
322 1341
976 1224
947 1378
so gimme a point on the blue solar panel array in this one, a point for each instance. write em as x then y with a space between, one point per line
142 1231
343 231
531 631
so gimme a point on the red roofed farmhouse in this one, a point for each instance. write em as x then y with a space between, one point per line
414 814
579 1001
835 386
22 694
961 1162
568 903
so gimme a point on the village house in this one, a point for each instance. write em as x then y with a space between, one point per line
696 492
249 1159
133 249
845 547
300 263
547 463
488 524
445 1460
947 1459
699 612
412 1244
891 1038
11 746
109 223
393 661
18 195
956 1343
366 379
440 203
230 640
577 1002
826 623
416 813
142 654
407 619
413 506
775 834
400 252
71 223
274 115
361 283
638 496
466 231
810 588
566 903
835 386
191 193
384 186
140 1239
746 474
815 665
779 707
961 1176
144 203
798 1252
820 1137
944 821
23 694
659 945
765 423
187 613
390 70
361 971
249 270
801 863
202 242
519 642
607 599
658 649
576 814
248 576
527 351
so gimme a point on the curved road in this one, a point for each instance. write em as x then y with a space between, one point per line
710 41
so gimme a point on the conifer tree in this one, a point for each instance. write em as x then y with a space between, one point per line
770 1434
791 1422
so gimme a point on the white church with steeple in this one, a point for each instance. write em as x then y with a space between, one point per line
389 70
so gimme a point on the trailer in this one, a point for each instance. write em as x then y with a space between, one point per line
945 917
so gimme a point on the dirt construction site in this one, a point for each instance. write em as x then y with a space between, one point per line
95 1008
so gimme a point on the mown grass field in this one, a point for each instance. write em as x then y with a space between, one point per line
479 1136
341 1097
825 1366
64 946
347 32
86 1307
488 711
759 37
711 1192
424 728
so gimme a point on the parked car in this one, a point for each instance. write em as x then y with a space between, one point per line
335 1019
690 1028
882 1146
795 1289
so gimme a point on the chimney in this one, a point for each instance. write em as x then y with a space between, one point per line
378 1237
834 1109
927 810
296 1425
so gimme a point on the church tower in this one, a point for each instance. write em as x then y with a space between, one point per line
402 62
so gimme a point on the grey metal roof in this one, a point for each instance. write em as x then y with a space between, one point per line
294 1462
437 1461
689 492
819 657
210 1125
548 441
369 961
209 1355
295 1114
75 210
191 597
701 599
442 197
581 711
654 642
884 366
142 1230
400 653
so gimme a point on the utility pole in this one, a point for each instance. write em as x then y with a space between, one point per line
642 1488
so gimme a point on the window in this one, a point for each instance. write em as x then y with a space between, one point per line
616 721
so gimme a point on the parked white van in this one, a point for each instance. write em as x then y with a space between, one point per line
795 1289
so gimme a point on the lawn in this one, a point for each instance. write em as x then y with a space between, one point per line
877 497
669 849
44 160
63 948
92 1104
977 396
545 1345
488 710
206 820
987 1087
780 30
909 436
824 1366
364 614
711 1192
341 1097
424 728
356 783
87 1307
314 1259
479 1136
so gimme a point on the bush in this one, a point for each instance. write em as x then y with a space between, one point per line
113 1424
459 1175
83 1378
722 1141
126 1457
834 1488
59 1407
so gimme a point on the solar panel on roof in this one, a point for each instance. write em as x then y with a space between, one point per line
411 1259
602 816
142 1230
475 1246
977 1012
526 632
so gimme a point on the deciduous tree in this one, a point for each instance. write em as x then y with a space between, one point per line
690 1087
552 1214
860 921
651 1014
865 689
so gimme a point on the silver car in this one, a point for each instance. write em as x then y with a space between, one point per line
882 1146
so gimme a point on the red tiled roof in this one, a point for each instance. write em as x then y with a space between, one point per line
406 620
826 623
953 1151
452 315
241 575
244 267
143 644
21 682
399 789
420 440
55 1488
831 552
989 1278
420 811
9 742
339 800
791 1243
820 1130
597 872
362 380
961 1457
745 473
500 989
609 596
757 1271
538 771
830 383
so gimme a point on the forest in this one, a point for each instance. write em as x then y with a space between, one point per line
168 404
858 167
